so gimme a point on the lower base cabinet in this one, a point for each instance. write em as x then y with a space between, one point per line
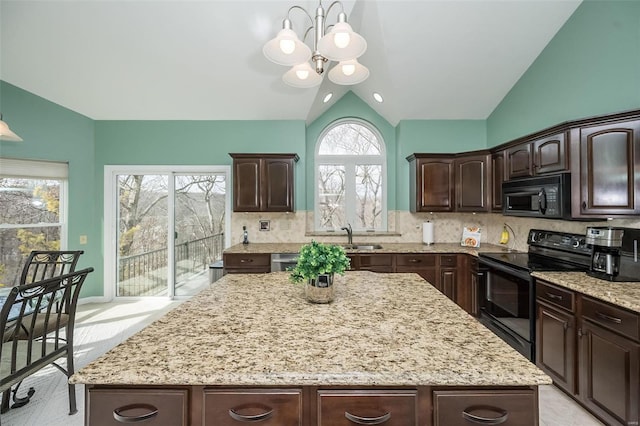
310 406
464 408
157 407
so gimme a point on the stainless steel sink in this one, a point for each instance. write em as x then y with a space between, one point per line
361 246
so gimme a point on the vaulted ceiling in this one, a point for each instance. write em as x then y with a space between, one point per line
202 60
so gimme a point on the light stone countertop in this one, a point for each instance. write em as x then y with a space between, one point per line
381 330
386 248
625 294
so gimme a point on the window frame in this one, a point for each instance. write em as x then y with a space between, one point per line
350 162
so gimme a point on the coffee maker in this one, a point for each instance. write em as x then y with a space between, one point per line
615 254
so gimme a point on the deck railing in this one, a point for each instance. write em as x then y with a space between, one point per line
145 274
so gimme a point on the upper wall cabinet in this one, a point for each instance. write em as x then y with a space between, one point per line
263 182
449 182
605 166
497 177
545 155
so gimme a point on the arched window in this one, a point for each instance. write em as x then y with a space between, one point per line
350 176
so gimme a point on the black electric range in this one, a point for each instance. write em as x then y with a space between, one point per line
507 290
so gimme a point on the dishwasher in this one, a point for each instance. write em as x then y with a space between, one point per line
283 261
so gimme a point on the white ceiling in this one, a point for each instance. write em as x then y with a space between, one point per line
202 60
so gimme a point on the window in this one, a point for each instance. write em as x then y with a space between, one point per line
32 212
350 176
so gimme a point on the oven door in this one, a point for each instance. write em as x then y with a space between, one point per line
507 304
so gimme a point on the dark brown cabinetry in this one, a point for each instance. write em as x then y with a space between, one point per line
448 282
465 407
431 183
605 169
591 349
375 407
472 182
544 155
159 406
449 182
473 306
263 182
426 265
497 178
382 262
556 334
275 407
246 263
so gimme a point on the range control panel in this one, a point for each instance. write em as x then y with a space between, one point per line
559 240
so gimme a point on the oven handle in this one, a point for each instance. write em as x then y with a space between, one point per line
485 265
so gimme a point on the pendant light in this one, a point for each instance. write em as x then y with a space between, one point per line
6 134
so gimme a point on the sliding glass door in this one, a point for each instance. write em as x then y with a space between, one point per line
170 226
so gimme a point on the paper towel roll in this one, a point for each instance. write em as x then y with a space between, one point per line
428 236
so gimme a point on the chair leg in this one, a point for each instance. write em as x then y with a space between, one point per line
5 401
72 387
21 402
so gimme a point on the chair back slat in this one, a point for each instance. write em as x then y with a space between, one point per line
36 325
41 264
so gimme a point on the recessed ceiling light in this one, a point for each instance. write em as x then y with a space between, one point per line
327 97
378 97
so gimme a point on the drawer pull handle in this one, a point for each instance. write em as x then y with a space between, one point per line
268 413
554 296
246 260
502 415
608 318
121 418
415 260
367 420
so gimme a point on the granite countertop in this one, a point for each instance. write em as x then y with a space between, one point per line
381 330
625 294
386 248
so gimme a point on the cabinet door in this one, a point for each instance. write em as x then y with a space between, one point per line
268 407
609 161
472 189
278 185
435 181
609 372
486 407
555 346
424 265
550 154
519 161
448 282
375 407
113 407
246 185
376 262
497 177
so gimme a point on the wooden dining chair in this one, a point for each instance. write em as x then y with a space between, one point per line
36 329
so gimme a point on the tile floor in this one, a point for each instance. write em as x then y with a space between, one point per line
102 326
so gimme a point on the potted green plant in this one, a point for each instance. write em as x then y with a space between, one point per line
317 264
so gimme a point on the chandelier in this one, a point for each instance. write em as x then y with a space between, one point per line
6 134
340 44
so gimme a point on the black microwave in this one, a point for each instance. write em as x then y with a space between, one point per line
544 197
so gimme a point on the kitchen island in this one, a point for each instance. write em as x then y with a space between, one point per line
390 348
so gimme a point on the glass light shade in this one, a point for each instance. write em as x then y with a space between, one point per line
342 43
348 72
286 49
6 134
302 76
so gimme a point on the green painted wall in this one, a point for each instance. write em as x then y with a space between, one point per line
54 133
433 136
591 67
351 106
197 143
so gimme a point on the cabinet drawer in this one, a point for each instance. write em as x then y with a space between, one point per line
448 260
556 296
269 407
416 261
113 407
614 318
247 262
375 407
504 407
376 262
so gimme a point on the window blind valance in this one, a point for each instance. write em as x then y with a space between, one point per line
35 169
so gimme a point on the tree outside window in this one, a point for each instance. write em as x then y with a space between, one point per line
350 177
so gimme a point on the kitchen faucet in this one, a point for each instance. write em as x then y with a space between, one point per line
349 233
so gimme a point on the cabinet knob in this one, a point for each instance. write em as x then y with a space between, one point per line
584 204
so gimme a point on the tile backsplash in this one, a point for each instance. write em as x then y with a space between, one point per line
407 227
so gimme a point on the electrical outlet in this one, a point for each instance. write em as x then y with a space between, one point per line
83 239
